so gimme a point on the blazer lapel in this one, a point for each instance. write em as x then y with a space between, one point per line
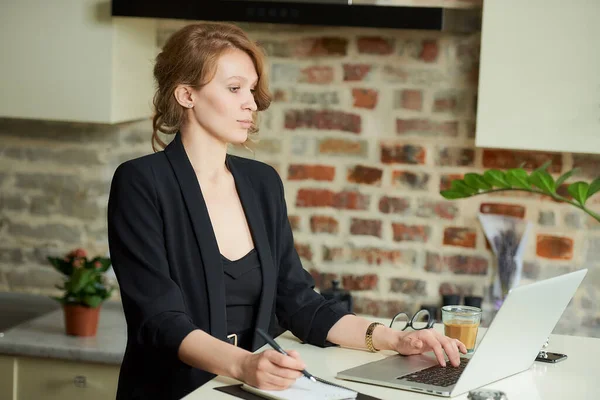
259 235
207 242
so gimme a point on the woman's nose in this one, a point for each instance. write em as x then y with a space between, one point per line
250 103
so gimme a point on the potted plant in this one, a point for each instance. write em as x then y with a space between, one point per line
85 288
539 181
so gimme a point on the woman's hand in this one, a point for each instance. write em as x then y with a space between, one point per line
271 370
417 342
421 341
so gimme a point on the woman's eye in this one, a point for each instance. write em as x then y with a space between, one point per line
234 89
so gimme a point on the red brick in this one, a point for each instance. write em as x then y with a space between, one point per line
410 99
446 180
337 254
511 210
410 180
458 264
323 224
314 198
379 308
369 256
562 190
366 175
471 128
343 147
531 270
454 156
280 95
554 247
434 263
412 233
402 154
294 222
471 265
426 127
351 201
442 209
429 51
326 198
366 227
394 205
360 282
317 74
315 172
316 47
365 98
375 45
401 73
323 280
323 120
462 289
504 159
304 251
408 286
356 72
589 165
463 237
451 101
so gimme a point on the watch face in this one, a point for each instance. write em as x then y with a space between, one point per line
487 395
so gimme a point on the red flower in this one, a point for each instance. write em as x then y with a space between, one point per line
97 264
78 253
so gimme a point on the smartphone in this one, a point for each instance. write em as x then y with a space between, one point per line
552 358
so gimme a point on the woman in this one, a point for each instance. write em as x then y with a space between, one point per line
201 244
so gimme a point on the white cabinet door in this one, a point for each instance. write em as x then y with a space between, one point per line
539 86
48 379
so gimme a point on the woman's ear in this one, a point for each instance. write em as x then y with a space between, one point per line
183 95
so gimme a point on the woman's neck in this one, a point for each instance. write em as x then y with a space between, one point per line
207 155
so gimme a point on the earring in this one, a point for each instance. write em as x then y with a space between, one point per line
190 105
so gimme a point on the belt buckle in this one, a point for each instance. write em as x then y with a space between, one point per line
233 336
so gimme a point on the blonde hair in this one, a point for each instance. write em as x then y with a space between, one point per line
190 57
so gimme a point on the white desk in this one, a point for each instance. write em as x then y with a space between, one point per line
576 378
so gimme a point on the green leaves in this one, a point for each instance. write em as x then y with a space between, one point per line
543 180
496 178
518 178
476 181
594 188
538 181
84 282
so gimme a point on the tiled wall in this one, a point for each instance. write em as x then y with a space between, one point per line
366 127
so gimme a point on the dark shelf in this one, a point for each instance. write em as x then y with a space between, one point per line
284 13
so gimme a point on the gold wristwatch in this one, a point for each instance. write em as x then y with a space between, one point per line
369 337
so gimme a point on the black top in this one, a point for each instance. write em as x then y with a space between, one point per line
242 294
167 261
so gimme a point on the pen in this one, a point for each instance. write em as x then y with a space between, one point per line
274 345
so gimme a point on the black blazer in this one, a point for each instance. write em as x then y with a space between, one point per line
167 262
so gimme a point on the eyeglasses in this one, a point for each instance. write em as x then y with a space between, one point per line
421 320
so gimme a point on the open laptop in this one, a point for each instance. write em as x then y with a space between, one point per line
510 345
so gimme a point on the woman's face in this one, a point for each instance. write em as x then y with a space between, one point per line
223 107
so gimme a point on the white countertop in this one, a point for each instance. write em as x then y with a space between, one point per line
45 337
576 378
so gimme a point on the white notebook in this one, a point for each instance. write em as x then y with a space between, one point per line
304 389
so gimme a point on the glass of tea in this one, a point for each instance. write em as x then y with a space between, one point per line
462 323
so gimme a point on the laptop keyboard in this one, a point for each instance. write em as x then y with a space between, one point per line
438 375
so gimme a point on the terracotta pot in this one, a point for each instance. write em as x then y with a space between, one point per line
81 320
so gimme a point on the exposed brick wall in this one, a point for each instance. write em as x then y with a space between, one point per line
367 125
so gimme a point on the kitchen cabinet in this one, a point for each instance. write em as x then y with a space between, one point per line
539 83
29 378
71 61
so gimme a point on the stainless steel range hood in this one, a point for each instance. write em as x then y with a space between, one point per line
358 13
